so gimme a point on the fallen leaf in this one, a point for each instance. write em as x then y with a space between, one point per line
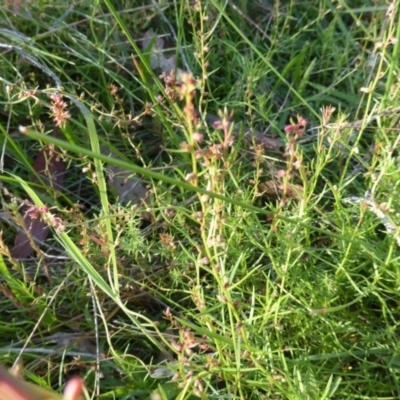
273 189
127 186
249 134
35 230
269 188
157 58
50 170
68 339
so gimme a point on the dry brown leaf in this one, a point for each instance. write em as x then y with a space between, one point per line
68 339
269 188
249 134
158 59
50 170
295 191
273 189
127 186
35 230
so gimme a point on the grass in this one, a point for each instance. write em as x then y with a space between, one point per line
252 272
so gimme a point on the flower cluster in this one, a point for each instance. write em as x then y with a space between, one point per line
58 109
